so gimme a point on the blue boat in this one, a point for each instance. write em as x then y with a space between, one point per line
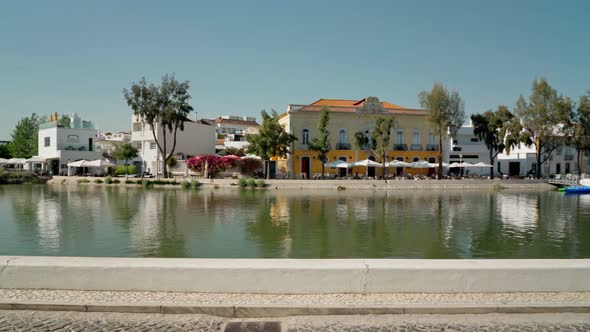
578 190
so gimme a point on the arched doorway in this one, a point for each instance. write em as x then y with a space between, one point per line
371 170
305 167
399 170
432 171
342 172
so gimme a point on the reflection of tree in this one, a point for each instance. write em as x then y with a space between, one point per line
268 229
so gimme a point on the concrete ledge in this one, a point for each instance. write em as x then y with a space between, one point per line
257 311
295 276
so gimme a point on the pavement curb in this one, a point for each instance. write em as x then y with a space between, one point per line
258 311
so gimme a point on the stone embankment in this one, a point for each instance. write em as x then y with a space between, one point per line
342 184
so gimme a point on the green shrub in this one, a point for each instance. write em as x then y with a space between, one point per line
497 187
250 182
242 183
146 183
83 181
120 170
196 184
108 180
116 181
341 188
130 182
98 181
185 184
260 183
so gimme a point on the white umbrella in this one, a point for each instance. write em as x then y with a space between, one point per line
367 163
481 164
397 163
466 165
79 163
16 161
420 164
3 161
339 164
455 164
97 163
253 156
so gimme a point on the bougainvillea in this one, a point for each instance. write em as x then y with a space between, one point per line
215 164
248 166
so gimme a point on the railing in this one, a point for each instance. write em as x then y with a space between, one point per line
400 147
432 147
73 147
416 147
342 146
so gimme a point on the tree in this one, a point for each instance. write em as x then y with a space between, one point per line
544 116
500 131
64 121
381 134
446 113
580 128
271 140
25 137
164 108
321 144
5 152
125 151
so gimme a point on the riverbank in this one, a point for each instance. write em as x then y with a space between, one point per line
342 185
24 177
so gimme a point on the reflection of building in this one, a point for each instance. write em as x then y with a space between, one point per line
518 210
198 137
411 138
60 145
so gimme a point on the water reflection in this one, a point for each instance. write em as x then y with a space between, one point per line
94 221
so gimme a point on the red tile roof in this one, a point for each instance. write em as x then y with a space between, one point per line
350 106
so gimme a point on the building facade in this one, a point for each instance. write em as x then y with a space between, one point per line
59 145
522 160
411 137
466 147
197 138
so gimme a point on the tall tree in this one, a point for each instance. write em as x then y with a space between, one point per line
580 128
544 116
500 131
446 114
164 108
381 135
271 140
321 144
25 137
125 151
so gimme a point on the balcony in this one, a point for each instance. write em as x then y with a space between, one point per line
400 147
73 147
342 146
303 146
432 147
416 147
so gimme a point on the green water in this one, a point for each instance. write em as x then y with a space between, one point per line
94 221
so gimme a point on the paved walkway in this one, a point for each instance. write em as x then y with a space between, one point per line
81 321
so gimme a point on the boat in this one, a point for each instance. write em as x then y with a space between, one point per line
583 188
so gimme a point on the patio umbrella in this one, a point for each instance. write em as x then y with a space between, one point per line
253 156
79 163
481 165
367 163
97 163
3 160
16 161
339 164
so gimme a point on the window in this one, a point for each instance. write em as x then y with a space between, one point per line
474 139
415 159
138 145
431 138
416 137
400 137
153 145
73 139
137 127
47 141
455 142
342 136
305 136
90 144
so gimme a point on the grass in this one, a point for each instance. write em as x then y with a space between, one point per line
98 181
80 181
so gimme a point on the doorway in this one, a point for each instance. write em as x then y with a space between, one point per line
513 168
371 170
558 168
342 172
305 167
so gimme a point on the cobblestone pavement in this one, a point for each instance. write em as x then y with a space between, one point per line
394 299
93 321
26 321
455 323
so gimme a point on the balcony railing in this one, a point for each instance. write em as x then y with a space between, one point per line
432 147
73 147
416 147
304 146
342 146
400 147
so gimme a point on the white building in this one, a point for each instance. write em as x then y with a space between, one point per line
232 124
522 160
59 145
466 147
197 138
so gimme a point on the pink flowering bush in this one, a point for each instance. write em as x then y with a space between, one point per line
215 164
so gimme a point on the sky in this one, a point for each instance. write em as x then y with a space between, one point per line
244 56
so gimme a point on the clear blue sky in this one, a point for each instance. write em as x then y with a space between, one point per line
244 56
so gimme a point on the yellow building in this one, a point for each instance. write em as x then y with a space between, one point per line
411 138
